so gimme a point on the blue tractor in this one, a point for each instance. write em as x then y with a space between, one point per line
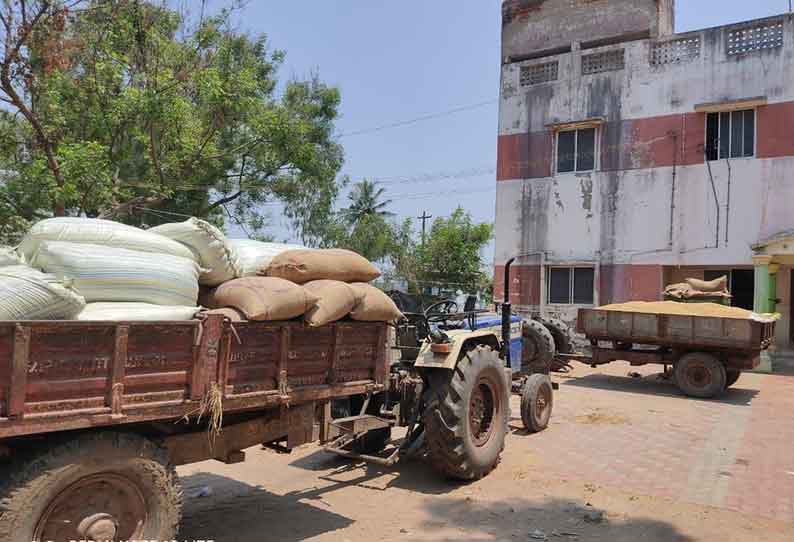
528 346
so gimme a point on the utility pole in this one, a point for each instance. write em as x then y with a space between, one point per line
424 218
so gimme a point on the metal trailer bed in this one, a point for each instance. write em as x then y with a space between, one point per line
95 415
708 353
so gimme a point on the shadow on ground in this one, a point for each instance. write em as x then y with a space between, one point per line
232 511
410 474
655 385
551 519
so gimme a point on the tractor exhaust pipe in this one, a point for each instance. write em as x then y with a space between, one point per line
507 315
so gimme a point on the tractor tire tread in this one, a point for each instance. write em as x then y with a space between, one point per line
444 418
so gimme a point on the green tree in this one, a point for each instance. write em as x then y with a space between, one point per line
452 254
364 226
366 202
117 106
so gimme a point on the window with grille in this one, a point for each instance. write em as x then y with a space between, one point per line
756 38
539 73
730 134
570 285
603 62
675 51
576 150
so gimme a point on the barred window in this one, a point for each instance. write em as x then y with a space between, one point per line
675 51
539 73
576 150
756 38
730 134
604 62
570 285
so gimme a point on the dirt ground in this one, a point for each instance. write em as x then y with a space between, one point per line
624 459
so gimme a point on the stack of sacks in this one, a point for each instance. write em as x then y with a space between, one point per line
9 256
27 294
95 231
136 312
256 255
323 285
117 265
217 257
339 279
102 273
262 299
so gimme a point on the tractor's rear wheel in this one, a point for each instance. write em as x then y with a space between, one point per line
97 486
563 342
538 350
466 416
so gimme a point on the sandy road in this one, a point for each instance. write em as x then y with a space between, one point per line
582 479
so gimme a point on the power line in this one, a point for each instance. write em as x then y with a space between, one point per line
415 120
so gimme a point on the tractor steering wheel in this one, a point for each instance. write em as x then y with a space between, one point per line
439 312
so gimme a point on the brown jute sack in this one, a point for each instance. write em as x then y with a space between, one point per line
232 314
335 300
263 298
301 266
375 306
717 285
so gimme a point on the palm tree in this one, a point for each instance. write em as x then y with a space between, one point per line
365 198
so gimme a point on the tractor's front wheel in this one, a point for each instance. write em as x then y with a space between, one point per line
466 416
537 400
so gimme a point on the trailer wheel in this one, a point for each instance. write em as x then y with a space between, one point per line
699 374
466 417
732 376
563 343
537 400
538 349
96 486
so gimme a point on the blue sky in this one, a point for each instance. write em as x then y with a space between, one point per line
396 61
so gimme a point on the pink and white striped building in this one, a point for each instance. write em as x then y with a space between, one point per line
630 157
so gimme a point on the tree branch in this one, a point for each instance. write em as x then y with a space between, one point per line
125 207
153 154
223 201
7 85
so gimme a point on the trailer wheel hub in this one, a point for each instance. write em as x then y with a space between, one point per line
481 411
100 507
699 376
98 527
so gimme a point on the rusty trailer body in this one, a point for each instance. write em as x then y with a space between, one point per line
57 376
110 408
708 353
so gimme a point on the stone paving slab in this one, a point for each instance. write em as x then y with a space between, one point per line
641 435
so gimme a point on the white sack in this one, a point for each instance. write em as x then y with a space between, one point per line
256 255
27 271
29 298
9 256
215 254
99 232
136 312
102 273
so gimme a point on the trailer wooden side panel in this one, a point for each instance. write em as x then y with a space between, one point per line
675 330
68 375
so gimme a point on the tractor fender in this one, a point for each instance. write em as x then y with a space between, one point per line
461 341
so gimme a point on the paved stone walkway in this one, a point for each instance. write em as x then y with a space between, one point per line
641 435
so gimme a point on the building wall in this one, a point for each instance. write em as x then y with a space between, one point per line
529 26
650 204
